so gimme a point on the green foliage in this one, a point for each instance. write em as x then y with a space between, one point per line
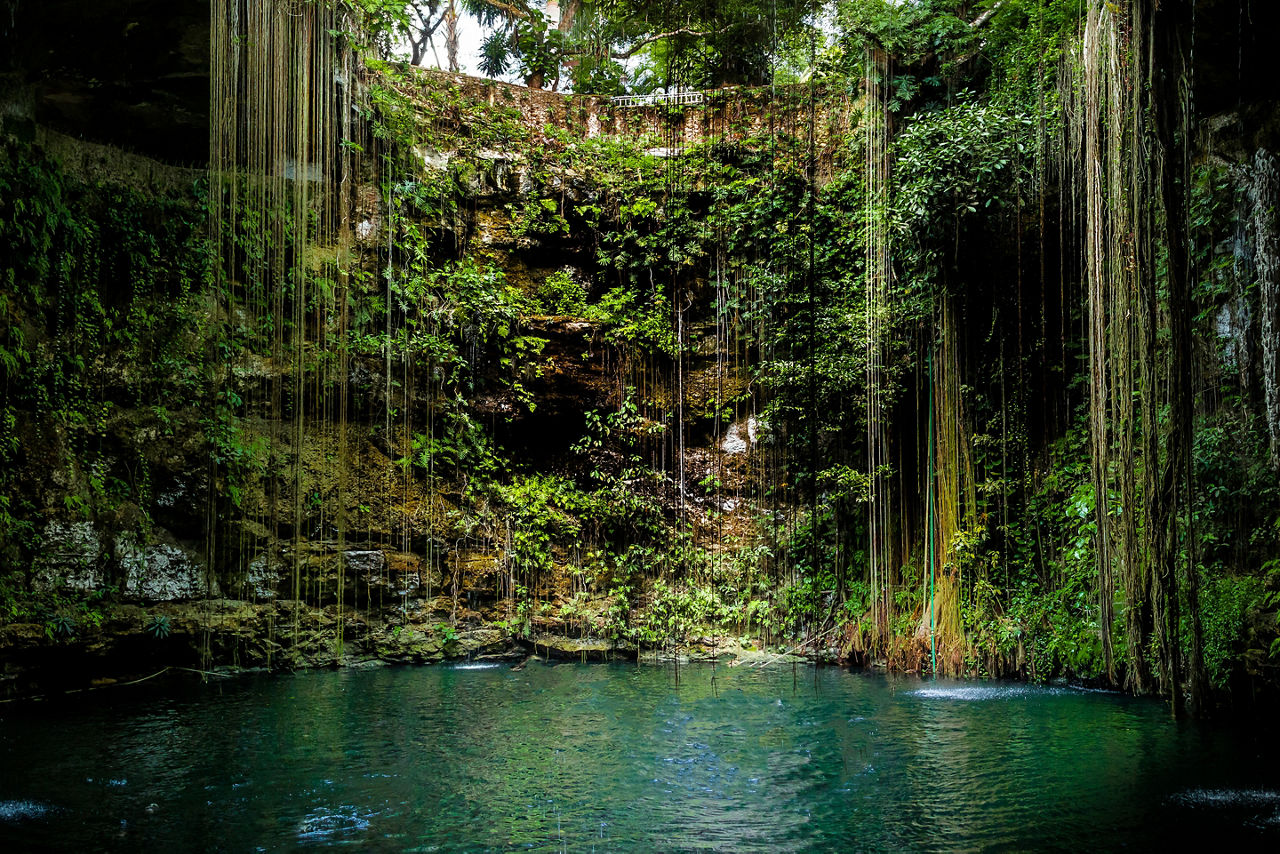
1027 41
958 160
98 290
539 218
1060 626
1237 502
240 453
1040 595
386 23
1225 605
635 322
540 516
158 626
448 633
458 322
756 247
63 614
458 444
676 42
409 108
674 613
561 293
61 627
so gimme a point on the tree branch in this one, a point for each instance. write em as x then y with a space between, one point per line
508 9
981 20
645 42
978 22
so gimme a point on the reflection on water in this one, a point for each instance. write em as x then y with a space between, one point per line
1255 807
608 758
13 811
985 692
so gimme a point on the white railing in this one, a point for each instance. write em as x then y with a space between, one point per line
675 98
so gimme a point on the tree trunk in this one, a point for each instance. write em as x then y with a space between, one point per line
568 12
451 35
1169 20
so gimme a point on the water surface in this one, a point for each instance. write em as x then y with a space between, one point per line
623 758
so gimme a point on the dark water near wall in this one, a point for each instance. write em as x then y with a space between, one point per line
609 758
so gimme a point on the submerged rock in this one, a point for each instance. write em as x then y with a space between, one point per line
481 642
578 649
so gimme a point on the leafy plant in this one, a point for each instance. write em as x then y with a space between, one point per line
61 627
561 293
448 633
158 626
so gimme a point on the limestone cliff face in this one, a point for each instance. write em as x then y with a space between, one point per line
482 370
180 493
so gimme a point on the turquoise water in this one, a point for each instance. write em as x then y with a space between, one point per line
623 758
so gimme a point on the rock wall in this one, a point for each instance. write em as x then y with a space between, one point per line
133 548
726 115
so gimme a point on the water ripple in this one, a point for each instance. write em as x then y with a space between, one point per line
326 822
11 811
971 693
624 758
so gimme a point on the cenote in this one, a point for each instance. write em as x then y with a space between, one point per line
619 757
892 336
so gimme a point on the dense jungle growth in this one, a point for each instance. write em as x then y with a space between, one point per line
941 334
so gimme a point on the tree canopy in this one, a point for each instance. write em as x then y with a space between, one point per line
610 46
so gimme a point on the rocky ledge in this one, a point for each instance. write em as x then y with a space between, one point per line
118 643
